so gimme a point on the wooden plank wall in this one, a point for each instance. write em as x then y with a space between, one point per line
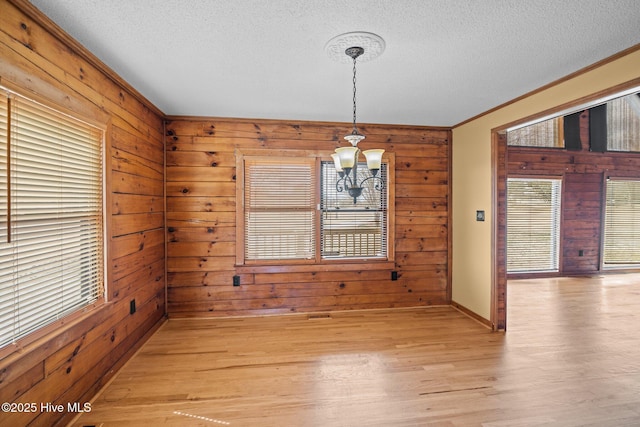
71 364
584 173
201 197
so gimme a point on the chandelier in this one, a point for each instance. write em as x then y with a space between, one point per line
346 158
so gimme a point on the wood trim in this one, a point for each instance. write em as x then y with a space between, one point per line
464 310
391 209
536 176
317 218
498 231
343 265
240 217
107 208
495 141
543 275
564 79
40 18
32 343
563 204
164 213
450 221
559 125
81 109
365 128
576 105
620 176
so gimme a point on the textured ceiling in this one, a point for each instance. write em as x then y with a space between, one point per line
445 60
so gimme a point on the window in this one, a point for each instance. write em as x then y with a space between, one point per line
51 225
548 133
279 208
353 229
622 224
533 224
293 212
623 123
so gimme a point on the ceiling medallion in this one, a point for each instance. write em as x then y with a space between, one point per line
372 44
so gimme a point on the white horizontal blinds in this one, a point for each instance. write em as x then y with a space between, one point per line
533 225
543 134
4 111
279 208
53 262
622 223
353 230
623 123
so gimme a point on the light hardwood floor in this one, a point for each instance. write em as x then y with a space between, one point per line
571 357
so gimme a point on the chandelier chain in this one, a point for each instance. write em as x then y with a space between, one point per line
355 129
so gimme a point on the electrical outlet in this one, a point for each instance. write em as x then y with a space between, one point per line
479 215
236 280
394 275
132 306
581 252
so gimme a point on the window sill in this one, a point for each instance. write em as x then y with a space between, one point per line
35 341
355 265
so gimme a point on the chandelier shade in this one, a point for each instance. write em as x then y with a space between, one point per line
374 158
347 156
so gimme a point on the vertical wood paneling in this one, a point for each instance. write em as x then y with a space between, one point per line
582 203
201 225
581 222
72 363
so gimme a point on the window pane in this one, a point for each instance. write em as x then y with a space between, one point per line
623 123
353 230
543 134
622 223
279 208
533 225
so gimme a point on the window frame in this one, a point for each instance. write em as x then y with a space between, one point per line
87 112
251 266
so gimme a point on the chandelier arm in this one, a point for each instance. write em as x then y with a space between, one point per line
378 186
348 182
345 183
